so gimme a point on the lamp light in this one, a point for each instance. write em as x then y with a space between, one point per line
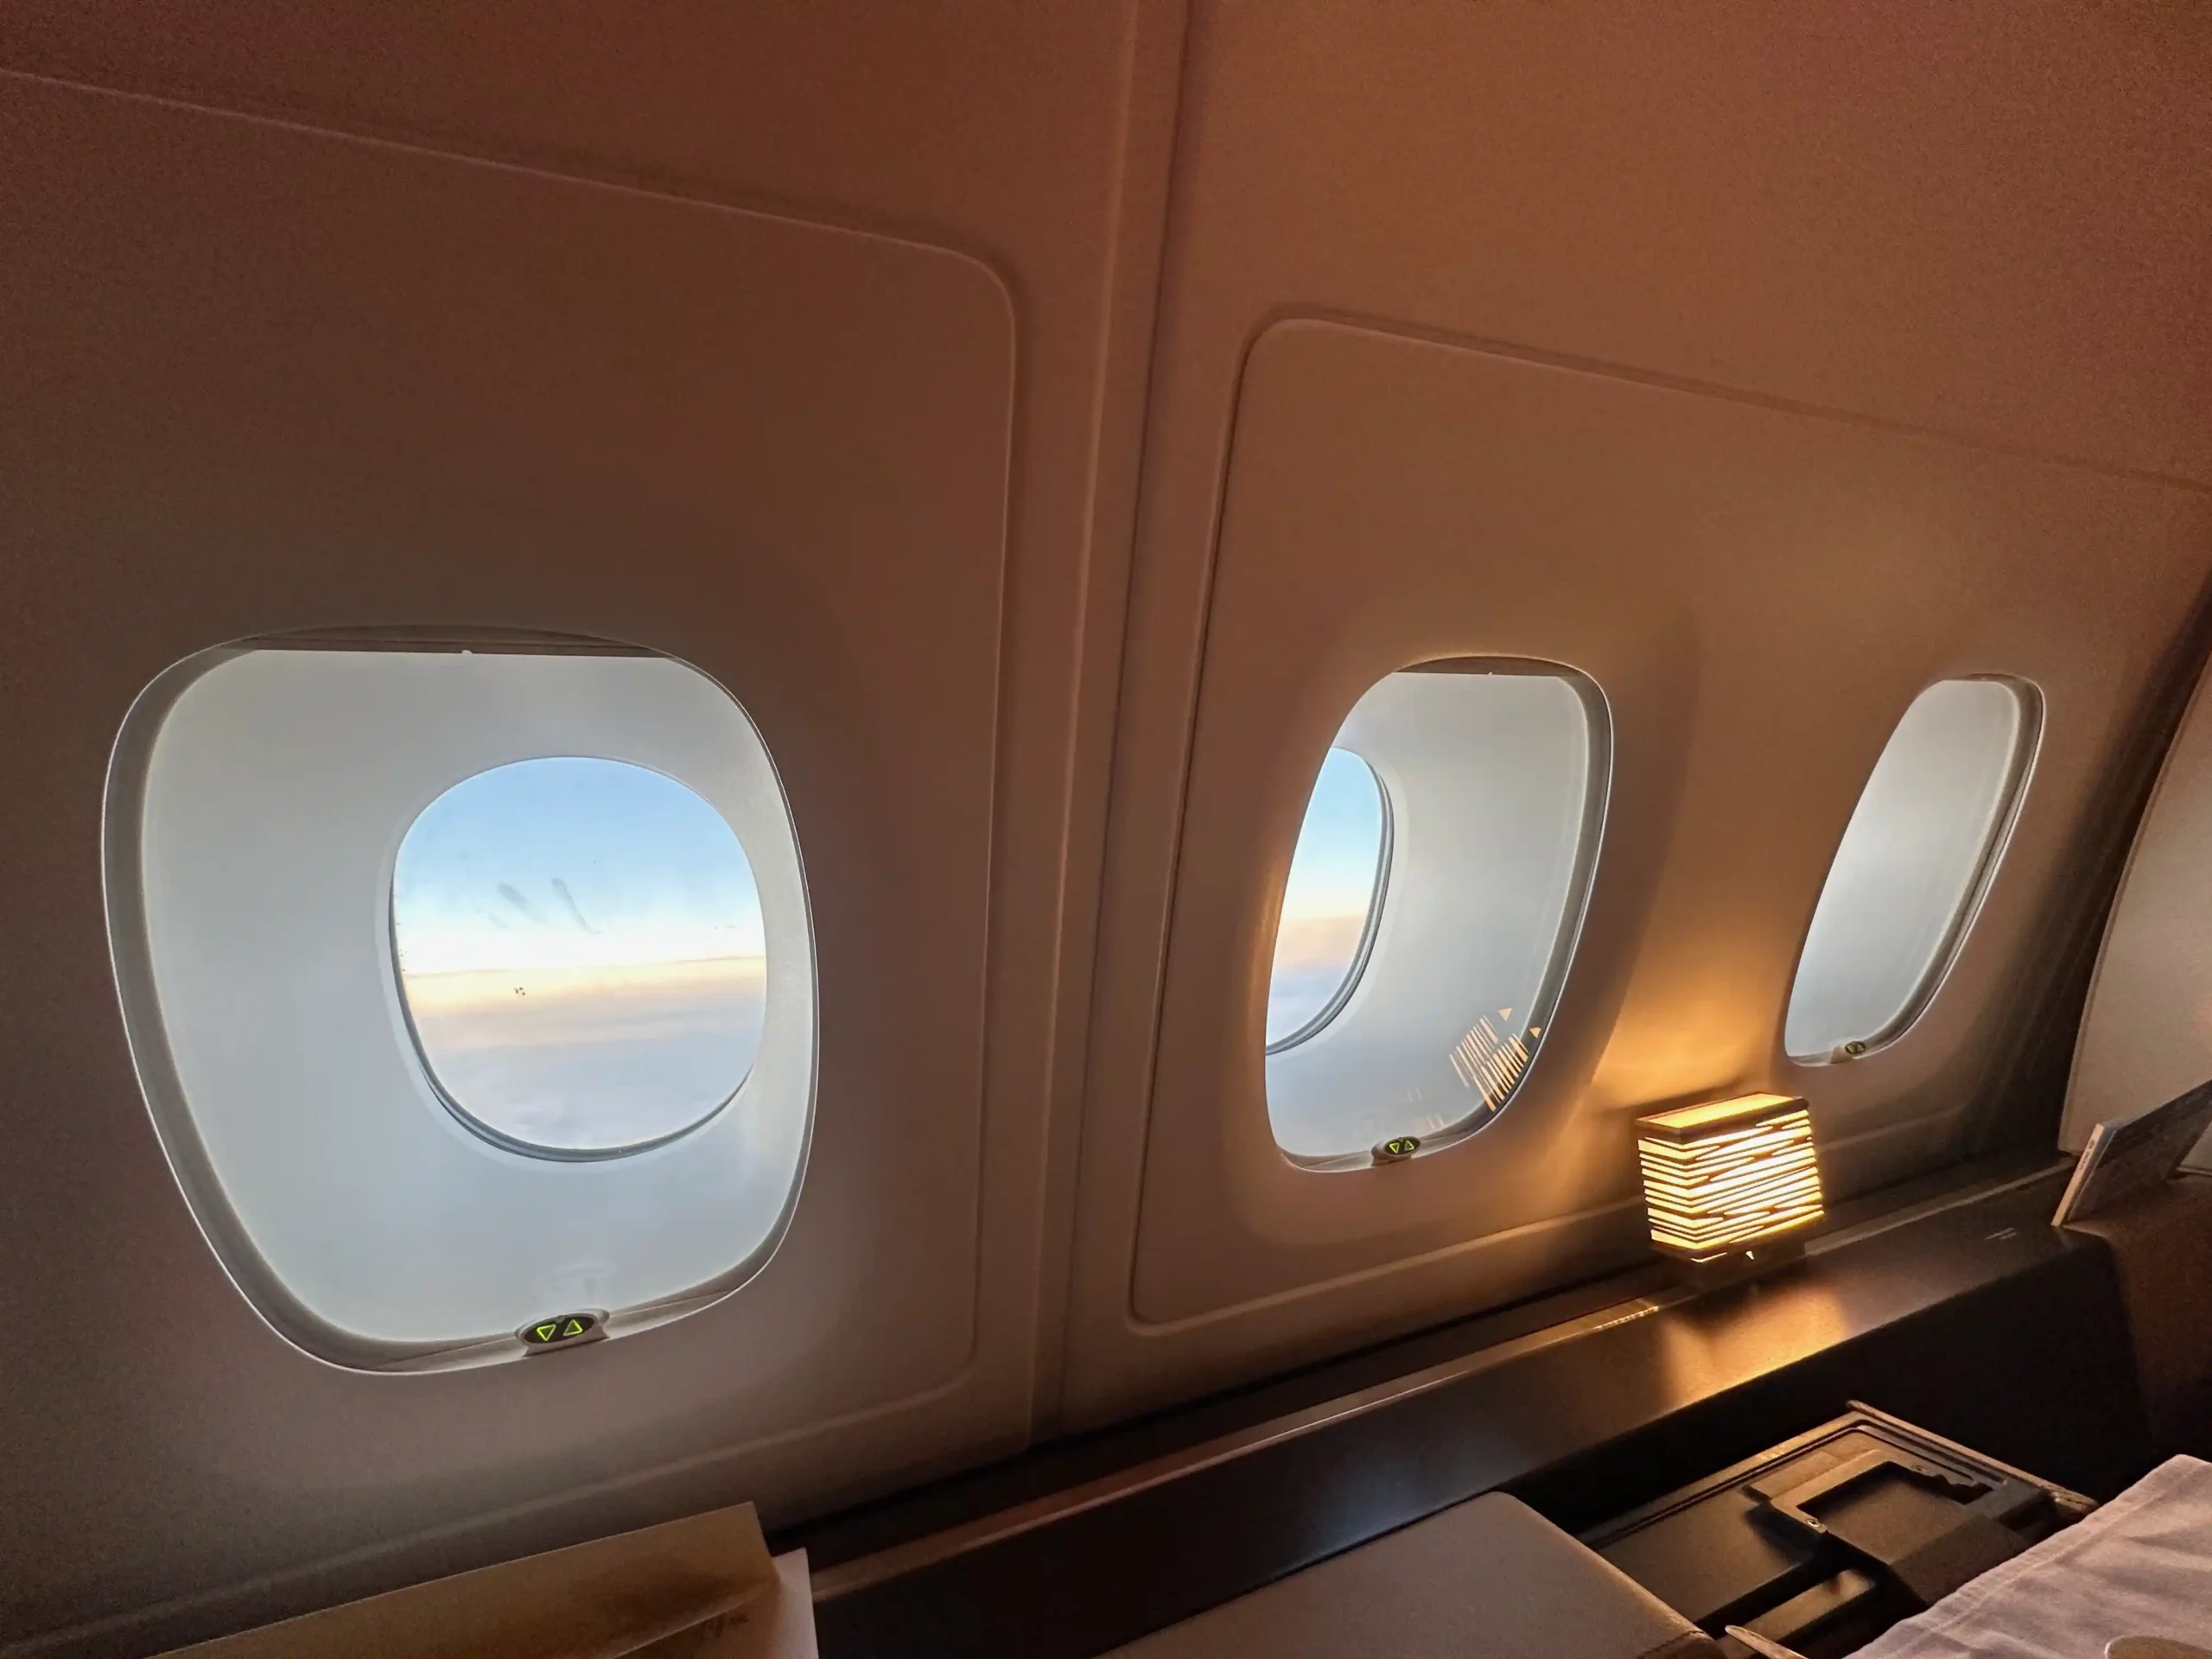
1729 1184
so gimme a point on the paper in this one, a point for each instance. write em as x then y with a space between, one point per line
2133 1155
777 1625
700 1588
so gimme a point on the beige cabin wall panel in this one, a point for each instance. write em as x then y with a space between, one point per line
263 379
1985 224
1759 594
906 115
1035 137
1990 219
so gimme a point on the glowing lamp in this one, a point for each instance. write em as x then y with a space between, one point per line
1731 1179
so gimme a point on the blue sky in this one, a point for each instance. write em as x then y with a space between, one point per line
1332 872
1326 899
571 861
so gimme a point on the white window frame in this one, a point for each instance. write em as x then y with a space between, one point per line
2019 773
251 1127
1402 789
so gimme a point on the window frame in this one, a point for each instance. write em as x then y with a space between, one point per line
1580 885
1950 944
227 1217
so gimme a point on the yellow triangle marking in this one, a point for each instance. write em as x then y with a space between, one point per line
573 1328
545 1332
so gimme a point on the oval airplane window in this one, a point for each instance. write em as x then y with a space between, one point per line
413 941
1332 901
1914 861
1486 839
581 955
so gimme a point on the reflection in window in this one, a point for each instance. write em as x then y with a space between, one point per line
580 954
1331 903
1914 861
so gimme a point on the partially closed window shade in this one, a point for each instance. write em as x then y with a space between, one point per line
1914 863
1432 907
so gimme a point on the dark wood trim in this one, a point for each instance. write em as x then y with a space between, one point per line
1976 1320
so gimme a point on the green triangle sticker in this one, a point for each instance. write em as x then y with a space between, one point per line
545 1332
573 1328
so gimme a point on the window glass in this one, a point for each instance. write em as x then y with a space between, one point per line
580 954
1914 862
1330 900
1488 783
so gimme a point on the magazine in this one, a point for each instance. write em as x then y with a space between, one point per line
2127 1155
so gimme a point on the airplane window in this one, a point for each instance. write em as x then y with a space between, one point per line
1468 798
1916 859
579 953
470 979
1331 901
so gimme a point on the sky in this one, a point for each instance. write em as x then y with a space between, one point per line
1330 887
571 863
537 909
581 944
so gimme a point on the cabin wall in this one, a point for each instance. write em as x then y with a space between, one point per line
1047 422
780 341
1423 275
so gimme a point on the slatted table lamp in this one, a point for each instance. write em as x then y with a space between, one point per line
1731 1185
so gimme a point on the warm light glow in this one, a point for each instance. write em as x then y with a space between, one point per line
1720 1176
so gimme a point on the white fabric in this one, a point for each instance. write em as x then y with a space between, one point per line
2141 1565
